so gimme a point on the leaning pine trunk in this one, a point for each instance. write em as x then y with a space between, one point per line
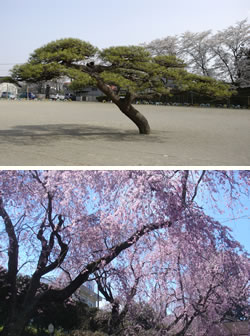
126 107
134 115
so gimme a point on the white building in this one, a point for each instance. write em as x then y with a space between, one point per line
87 295
8 87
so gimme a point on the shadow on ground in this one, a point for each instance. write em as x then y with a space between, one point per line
44 134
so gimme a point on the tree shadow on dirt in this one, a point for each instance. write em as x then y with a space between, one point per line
43 134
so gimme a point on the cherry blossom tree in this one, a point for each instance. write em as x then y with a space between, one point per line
196 51
196 293
218 55
228 48
191 283
193 48
142 224
244 69
169 45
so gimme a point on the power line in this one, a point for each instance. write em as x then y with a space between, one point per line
235 218
10 63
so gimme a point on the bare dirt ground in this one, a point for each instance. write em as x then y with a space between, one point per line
41 133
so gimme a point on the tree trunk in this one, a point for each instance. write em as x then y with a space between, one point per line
114 322
16 323
14 327
134 115
126 107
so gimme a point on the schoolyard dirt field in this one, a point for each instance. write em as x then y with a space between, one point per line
47 133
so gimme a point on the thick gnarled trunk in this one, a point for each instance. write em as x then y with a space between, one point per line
134 115
14 327
126 107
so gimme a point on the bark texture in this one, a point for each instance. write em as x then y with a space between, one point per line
126 107
138 118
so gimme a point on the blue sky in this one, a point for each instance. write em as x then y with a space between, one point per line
239 223
236 218
27 25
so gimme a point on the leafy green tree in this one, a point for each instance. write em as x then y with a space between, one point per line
131 69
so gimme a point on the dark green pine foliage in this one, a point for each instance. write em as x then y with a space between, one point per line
127 69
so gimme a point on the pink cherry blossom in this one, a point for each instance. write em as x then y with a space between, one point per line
143 235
